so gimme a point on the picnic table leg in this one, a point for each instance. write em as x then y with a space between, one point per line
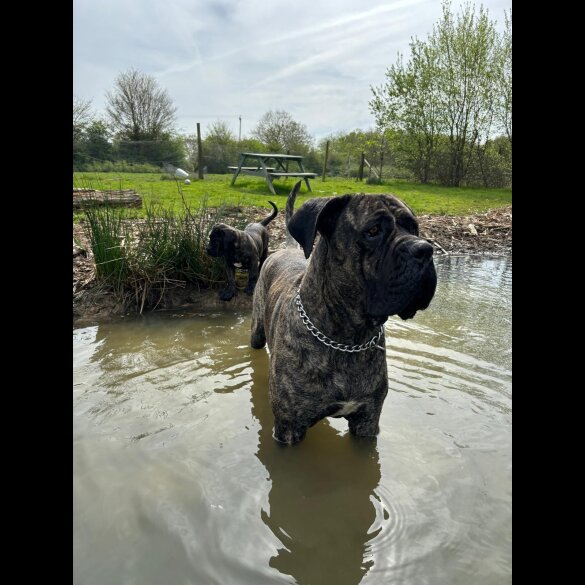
264 167
270 185
237 170
306 178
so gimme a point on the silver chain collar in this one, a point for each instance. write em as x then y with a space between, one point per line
372 344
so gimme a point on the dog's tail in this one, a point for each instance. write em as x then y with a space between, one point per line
268 219
290 205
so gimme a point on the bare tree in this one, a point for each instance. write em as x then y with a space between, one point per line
279 132
82 114
138 108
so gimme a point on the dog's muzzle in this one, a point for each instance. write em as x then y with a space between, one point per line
407 280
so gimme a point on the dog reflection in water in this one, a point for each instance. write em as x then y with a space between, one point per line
320 501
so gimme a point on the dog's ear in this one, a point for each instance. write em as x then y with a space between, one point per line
229 238
316 215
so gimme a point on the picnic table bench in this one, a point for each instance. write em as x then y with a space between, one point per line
262 169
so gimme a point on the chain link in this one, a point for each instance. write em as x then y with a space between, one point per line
372 344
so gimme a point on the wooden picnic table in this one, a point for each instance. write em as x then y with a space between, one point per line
259 166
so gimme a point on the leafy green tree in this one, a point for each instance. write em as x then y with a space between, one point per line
220 147
168 148
190 147
444 98
345 151
249 145
410 102
504 81
97 142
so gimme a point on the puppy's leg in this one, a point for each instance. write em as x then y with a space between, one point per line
263 257
229 292
253 272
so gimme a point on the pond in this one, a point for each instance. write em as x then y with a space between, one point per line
177 478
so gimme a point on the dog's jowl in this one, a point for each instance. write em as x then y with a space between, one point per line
245 249
322 310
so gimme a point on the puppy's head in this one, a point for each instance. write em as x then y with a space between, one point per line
372 242
222 239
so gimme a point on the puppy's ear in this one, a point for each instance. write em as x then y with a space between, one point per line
316 215
229 238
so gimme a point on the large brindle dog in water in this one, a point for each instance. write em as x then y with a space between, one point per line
323 318
245 249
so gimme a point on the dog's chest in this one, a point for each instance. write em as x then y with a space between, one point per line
239 259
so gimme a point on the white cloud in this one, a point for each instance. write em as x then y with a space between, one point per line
220 59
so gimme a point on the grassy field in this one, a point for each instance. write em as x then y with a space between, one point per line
252 191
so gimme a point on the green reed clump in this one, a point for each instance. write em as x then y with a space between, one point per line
108 238
147 258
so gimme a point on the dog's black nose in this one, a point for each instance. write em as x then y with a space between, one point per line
421 250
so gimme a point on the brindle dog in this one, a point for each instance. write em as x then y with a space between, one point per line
323 318
245 249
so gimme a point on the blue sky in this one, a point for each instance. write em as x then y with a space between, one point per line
221 59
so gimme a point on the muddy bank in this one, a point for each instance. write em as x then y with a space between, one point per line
487 233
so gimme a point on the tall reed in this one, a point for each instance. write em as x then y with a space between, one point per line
143 260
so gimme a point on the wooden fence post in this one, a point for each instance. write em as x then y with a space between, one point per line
199 153
326 157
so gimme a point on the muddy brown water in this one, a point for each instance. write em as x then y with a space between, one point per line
177 479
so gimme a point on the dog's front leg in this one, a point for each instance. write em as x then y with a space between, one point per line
229 292
288 432
295 412
365 422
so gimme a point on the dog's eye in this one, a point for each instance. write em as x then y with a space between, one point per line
373 231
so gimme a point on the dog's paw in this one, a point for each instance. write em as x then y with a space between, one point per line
227 295
258 340
288 435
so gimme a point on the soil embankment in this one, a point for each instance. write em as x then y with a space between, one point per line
486 233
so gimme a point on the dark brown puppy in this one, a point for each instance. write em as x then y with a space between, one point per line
245 249
323 318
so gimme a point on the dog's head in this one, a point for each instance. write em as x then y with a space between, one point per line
222 239
374 239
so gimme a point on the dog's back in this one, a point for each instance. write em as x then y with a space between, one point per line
281 269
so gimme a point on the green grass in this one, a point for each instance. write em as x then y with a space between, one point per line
253 192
